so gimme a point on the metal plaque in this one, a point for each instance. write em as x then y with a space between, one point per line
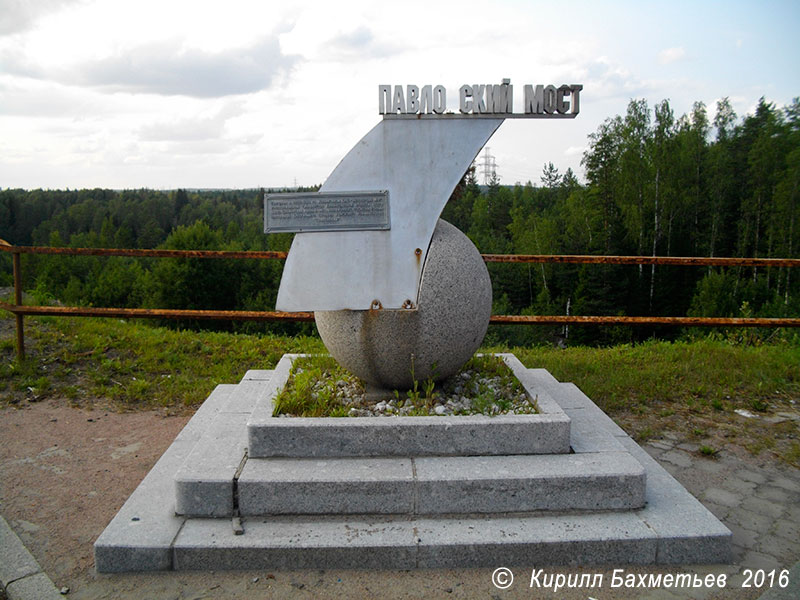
328 211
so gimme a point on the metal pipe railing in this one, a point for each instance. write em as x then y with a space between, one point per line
507 258
684 261
19 310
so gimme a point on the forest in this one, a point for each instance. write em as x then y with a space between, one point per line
655 184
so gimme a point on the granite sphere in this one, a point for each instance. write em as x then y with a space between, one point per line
392 348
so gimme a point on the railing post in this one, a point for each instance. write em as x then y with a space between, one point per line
18 302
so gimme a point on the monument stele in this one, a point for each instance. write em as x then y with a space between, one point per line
398 294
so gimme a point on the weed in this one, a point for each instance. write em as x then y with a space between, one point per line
430 394
317 387
708 451
413 393
793 454
71 392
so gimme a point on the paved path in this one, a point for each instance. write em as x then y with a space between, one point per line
756 499
20 575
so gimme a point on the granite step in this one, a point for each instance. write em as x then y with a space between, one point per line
147 534
437 485
374 542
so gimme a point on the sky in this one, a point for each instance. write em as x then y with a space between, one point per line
240 94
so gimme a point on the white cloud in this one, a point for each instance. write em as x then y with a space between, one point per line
46 99
606 79
360 42
187 129
671 55
166 68
17 16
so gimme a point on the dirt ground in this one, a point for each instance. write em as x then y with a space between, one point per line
64 473
60 464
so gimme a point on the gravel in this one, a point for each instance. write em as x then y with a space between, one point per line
466 393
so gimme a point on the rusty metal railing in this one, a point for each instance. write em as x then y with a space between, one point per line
685 261
19 310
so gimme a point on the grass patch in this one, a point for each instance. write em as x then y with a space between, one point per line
620 377
793 454
708 451
689 388
319 387
131 364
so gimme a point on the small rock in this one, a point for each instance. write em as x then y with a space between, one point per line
439 409
64 591
745 413
255 579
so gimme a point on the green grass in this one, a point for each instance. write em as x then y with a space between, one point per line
137 363
319 387
313 389
132 364
708 451
696 374
690 387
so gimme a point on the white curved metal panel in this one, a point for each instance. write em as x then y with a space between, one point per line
419 162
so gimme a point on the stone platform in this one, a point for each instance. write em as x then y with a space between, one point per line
563 487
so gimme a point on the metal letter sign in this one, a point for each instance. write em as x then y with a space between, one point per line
417 153
334 211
